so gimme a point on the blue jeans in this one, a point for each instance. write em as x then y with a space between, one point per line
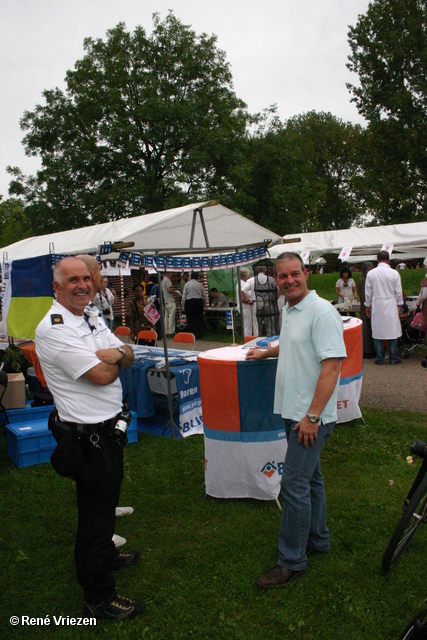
304 509
380 352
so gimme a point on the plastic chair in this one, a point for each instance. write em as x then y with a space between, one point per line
184 337
3 387
123 331
249 338
147 337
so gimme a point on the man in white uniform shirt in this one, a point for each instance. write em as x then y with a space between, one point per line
81 361
169 302
383 299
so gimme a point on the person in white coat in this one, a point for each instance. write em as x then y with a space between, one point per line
383 299
248 300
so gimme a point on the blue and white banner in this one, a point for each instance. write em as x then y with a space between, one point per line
190 401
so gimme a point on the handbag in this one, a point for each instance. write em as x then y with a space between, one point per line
418 322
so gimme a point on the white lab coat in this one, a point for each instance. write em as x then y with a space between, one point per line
383 293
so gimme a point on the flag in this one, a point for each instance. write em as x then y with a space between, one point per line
28 295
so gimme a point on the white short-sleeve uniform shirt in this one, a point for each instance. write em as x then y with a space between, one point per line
66 345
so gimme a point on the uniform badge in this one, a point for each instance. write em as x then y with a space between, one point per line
56 318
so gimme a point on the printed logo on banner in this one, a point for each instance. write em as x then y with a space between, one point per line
270 468
123 258
135 260
190 403
160 263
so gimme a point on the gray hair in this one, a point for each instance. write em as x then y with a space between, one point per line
366 266
288 255
244 272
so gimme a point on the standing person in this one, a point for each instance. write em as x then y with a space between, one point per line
266 303
194 300
368 343
308 370
248 300
422 298
169 302
383 299
81 361
104 300
136 315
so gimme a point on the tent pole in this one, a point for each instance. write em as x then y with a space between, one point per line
165 347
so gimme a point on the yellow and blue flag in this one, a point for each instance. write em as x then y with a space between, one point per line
27 295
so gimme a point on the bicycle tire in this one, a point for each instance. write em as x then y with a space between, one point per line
407 526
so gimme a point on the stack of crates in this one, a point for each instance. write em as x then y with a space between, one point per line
29 440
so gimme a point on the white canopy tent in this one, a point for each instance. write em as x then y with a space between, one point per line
205 227
194 228
409 242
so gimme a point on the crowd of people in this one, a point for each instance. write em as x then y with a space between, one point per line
81 359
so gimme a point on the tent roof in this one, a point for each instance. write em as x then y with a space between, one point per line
409 240
177 230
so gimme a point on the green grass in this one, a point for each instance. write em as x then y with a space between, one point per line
200 556
325 283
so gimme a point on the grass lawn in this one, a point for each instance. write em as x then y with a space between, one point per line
200 556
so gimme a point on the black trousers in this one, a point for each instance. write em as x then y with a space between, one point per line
98 491
194 313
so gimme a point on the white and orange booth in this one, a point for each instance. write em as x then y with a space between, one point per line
245 442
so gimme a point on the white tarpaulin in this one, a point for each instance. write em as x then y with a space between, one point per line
409 242
194 227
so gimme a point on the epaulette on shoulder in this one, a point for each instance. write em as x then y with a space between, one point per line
56 318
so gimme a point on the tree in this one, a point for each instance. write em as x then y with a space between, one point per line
146 123
389 53
301 174
14 222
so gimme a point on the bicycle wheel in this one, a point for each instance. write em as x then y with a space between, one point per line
414 514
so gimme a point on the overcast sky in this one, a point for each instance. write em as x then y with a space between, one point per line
292 53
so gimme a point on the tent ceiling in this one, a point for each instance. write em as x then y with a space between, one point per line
164 231
409 242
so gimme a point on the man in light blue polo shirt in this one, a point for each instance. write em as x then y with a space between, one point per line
310 351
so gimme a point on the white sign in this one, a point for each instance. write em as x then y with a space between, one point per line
305 256
345 252
388 247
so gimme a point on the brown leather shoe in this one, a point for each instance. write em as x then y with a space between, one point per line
278 577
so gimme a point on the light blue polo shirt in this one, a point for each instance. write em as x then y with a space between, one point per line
312 331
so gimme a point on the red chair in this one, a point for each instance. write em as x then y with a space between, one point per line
147 337
123 331
184 337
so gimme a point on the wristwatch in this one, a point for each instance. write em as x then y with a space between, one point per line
123 352
313 418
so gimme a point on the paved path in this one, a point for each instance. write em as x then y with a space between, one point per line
399 387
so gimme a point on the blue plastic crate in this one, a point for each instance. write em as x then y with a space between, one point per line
29 443
29 414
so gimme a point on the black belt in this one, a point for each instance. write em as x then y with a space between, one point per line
92 427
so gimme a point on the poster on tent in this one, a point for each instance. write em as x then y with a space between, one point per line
388 247
305 256
27 295
345 253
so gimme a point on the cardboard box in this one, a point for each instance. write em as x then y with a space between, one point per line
14 398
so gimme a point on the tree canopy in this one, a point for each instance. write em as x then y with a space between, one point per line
146 122
389 54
